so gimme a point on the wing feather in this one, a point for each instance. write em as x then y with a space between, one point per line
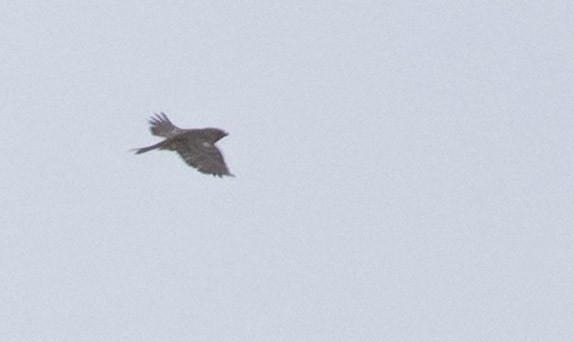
202 155
161 126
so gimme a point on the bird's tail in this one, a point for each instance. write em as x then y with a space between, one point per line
146 149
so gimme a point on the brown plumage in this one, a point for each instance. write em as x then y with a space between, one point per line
195 146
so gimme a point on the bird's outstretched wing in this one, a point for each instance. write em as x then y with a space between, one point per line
202 155
161 126
195 146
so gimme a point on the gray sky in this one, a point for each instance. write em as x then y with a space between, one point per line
404 171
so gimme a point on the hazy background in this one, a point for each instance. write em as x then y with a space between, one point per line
404 171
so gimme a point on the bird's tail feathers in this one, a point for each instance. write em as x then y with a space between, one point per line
146 149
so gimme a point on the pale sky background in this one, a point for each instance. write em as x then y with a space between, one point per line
404 171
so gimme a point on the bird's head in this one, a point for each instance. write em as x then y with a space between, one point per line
214 134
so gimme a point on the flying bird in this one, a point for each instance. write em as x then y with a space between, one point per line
195 146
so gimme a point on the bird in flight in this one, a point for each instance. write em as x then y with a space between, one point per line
195 146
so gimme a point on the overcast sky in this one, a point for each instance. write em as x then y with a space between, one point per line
404 171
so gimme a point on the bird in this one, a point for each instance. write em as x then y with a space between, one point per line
195 146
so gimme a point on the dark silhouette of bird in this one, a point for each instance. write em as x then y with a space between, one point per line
195 146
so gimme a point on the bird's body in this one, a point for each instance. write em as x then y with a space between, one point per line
195 146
